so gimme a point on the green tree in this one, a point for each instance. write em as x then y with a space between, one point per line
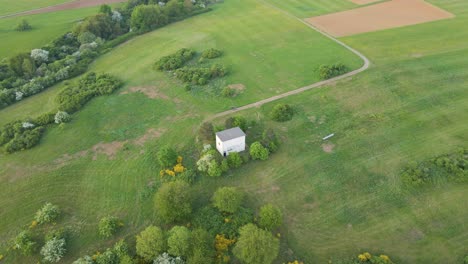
270 217
23 26
47 213
174 201
282 112
174 9
167 157
179 241
147 17
108 226
236 121
105 9
228 199
24 243
22 65
202 247
150 243
234 160
54 250
100 25
251 237
258 151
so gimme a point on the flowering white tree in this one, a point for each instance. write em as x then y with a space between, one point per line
116 16
84 260
53 250
61 117
165 258
18 96
40 55
62 74
27 125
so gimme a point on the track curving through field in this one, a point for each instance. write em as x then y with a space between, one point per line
364 67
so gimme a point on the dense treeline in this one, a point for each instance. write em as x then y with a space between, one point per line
69 55
25 134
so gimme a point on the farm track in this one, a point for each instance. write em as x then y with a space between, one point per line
364 67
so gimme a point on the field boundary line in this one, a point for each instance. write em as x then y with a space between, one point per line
364 67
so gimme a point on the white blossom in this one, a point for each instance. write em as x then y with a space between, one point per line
161 4
39 54
27 125
116 16
61 117
19 96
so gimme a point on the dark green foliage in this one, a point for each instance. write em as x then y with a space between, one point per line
236 121
270 217
107 257
200 75
206 132
265 245
234 160
101 25
282 112
24 243
211 53
105 9
173 201
7 97
22 65
327 72
44 119
72 98
175 60
174 9
215 222
147 17
27 139
450 166
23 26
228 199
270 140
202 247
167 157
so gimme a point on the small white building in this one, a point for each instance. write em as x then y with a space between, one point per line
230 140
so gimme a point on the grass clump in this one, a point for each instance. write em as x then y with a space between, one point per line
211 53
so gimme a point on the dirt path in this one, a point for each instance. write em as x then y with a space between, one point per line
75 4
364 67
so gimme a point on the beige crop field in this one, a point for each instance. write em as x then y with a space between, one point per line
391 14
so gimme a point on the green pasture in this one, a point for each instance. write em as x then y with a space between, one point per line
11 7
337 204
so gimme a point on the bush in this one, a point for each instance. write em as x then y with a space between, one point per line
167 157
167 259
270 217
150 243
24 243
86 37
147 17
54 250
47 213
107 257
206 132
228 199
265 245
108 226
234 160
258 151
200 75
228 92
84 260
236 121
23 26
179 241
270 140
175 61
61 117
216 222
174 201
25 139
202 248
282 113
211 53
327 72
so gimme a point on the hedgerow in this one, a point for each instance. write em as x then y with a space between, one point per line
175 61
200 75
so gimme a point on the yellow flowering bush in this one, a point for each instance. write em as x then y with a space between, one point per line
222 246
296 262
33 224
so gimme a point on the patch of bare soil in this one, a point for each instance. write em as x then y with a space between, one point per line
363 2
150 91
109 149
66 6
239 87
149 135
391 14
328 147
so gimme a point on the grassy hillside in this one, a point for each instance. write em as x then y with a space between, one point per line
10 7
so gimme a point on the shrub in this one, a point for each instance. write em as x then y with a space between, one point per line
150 243
234 160
202 247
40 55
236 121
206 131
47 213
266 246
282 113
174 61
53 250
216 222
270 140
167 157
23 26
174 201
86 37
228 92
84 260
228 199
108 226
107 257
147 17
270 217
179 241
327 72
211 53
101 25
24 243
25 139
200 75
62 117
258 151
167 259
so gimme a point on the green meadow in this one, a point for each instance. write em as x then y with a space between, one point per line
11 7
340 198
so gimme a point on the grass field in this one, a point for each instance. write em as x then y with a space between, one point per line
409 106
10 7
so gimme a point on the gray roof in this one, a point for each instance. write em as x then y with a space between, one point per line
229 134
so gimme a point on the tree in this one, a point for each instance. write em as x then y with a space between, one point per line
251 237
167 157
86 37
107 257
258 151
270 217
228 199
101 25
174 201
53 250
282 112
202 247
47 213
108 226
179 241
236 121
150 243
147 17
167 259
22 65
105 9
61 117
234 160
173 9
23 26
24 243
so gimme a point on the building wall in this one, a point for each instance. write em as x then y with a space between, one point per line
233 145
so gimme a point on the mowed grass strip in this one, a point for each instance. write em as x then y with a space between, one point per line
11 7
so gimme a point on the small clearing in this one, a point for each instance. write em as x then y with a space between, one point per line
328 148
150 91
386 15
364 2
